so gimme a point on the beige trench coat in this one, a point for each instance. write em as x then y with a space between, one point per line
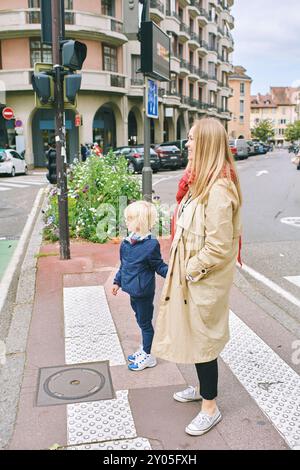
192 325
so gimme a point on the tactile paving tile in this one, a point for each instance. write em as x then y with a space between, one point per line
106 420
86 308
267 378
140 443
94 348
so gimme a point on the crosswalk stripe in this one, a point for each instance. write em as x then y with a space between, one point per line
268 379
31 182
14 185
294 279
5 189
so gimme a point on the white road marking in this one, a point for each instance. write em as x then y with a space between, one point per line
262 172
34 183
293 279
167 178
5 189
295 221
268 379
13 185
275 287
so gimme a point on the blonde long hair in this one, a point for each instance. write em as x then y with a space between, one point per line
212 158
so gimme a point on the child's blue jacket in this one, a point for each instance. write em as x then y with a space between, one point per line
139 262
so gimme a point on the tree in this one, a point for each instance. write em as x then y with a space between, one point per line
292 132
263 131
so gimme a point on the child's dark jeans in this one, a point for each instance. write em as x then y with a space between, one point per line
143 308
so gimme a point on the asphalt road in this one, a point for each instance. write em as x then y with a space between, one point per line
17 197
271 230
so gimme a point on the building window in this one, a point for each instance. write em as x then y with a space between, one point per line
241 119
242 88
108 7
242 106
40 52
212 98
191 90
136 78
110 61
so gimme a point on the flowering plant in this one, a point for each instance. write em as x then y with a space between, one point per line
97 189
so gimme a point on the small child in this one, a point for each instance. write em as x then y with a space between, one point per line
140 258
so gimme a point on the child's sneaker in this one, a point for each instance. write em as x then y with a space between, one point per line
145 360
136 355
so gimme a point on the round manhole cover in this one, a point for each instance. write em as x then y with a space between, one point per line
74 384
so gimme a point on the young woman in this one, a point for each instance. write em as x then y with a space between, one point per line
192 326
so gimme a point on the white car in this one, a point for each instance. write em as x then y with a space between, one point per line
12 162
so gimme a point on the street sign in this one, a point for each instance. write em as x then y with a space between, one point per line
155 52
152 99
8 113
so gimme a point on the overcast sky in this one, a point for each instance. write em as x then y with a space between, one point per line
267 42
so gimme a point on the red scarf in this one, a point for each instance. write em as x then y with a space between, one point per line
183 188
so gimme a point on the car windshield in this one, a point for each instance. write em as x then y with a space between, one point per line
231 142
2 156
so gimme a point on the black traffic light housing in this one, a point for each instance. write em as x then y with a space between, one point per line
73 54
41 84
51 165
72 86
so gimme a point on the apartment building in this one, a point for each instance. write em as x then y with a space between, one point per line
111 98
280 106
240 103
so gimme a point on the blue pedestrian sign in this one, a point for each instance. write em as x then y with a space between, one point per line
152 99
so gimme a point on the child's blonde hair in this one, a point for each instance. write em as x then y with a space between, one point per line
143 213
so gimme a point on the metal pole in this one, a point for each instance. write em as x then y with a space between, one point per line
147 170
57 23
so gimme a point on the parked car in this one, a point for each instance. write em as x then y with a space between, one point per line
169 156
12 163
251 148
239 148
180 143
135 157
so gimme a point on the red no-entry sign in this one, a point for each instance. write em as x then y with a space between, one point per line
8 113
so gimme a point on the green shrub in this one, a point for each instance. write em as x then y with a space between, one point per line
92 185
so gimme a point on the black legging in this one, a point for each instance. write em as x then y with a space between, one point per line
208 379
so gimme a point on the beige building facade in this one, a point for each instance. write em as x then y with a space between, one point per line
280 106
111 97
240 104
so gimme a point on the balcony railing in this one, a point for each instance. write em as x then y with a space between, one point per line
174 14
204 13
34 16
184 64
117 81
137 82
213 47
212 76
185 99
184 28
158 5
203 44
116 26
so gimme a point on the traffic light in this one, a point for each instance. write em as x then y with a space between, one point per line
72 87
73 54
43 85
51 165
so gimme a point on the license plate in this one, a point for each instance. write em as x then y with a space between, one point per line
173 158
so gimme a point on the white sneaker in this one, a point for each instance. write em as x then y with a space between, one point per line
135 356
203 423
143 361
189 394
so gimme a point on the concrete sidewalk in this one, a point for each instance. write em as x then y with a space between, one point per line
144 415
